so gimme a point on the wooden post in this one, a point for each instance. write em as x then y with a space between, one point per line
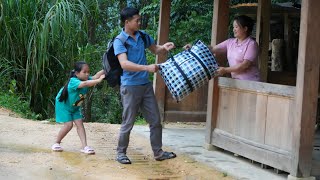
306 90
289 62
220 25
163 36
262 36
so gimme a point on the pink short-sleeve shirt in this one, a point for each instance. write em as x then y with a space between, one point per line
238 52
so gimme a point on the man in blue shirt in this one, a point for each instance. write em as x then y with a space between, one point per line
136 89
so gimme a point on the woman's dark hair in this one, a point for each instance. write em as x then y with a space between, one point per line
245 21
128 13
77 68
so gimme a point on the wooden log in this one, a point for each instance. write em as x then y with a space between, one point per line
262 35
220 23
307 90
163 36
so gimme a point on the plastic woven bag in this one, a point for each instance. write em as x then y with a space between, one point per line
188 70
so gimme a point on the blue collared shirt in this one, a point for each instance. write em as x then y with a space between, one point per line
136 53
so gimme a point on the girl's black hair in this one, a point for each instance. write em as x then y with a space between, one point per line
77 68
128 13
245 21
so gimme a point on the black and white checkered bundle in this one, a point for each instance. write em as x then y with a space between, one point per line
188 70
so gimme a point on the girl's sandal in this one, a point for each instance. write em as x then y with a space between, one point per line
87 150
56 147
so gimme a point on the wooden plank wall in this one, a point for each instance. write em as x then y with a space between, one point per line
191 109
254 121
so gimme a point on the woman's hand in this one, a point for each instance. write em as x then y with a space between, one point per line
187 46
221 71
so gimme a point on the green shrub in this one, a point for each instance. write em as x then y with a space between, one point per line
17 104
106 105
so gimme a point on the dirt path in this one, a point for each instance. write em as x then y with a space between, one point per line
25 154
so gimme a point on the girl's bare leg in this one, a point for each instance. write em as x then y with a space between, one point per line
81 132
64 131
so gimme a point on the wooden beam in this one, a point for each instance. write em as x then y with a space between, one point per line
220 23
163 37
262 36
289 62
306 89
268 155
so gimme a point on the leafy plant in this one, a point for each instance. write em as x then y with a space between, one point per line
17 105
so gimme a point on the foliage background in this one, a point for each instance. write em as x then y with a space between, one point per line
41 39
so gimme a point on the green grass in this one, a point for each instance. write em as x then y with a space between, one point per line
14 103
224 174
140 121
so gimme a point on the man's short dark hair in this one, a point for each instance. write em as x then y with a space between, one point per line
128 13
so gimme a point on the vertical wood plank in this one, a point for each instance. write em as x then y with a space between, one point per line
227 107
163 36
278 133
220 24
306 89
262 35
261 113
248 125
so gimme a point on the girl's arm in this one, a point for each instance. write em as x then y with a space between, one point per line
98 74
90 83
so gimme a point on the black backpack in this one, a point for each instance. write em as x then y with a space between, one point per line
111 64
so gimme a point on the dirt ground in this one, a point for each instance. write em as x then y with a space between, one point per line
25 154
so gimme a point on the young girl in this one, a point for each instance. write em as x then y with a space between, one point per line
68 102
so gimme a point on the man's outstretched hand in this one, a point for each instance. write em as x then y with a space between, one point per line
168 46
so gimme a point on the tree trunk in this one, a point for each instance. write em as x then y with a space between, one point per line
92 30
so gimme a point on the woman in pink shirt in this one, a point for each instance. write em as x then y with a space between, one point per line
242 51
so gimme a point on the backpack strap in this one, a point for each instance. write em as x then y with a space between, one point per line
144 36
123 39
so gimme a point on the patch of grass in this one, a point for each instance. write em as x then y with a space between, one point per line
224 174
14 103
51 120
140 120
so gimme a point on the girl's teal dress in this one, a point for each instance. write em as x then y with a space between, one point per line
69 110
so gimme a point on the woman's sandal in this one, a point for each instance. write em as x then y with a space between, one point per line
166 155
123 159
56 147
87 150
